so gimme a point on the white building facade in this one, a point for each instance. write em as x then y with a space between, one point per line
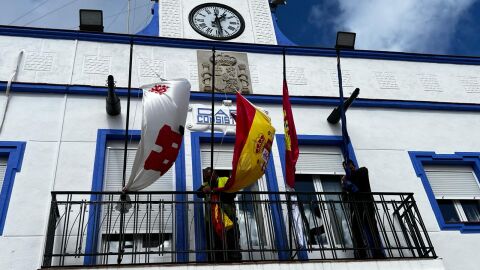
414 126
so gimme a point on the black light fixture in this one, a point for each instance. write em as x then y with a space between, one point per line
345 40
113 102
334 117
91 20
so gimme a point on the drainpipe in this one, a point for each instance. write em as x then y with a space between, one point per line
9 85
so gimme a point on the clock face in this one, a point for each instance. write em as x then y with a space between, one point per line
216 21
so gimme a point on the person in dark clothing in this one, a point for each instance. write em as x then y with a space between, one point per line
365 235
224 245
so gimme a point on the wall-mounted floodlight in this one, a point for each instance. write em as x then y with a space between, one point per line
91 20
334 117
345 40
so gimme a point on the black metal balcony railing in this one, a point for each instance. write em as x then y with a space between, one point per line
176 227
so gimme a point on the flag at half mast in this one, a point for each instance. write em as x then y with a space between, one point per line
291 141
253 143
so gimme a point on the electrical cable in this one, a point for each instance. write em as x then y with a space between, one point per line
28 12
48 13
123 11
117 15
135 5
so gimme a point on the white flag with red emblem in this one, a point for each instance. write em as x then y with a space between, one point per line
165 107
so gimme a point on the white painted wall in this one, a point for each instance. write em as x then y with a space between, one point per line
89 63
381 138
61 130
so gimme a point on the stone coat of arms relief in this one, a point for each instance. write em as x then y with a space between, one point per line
231 72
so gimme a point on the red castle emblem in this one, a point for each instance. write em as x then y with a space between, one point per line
159 89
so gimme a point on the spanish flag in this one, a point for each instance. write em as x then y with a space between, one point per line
253 144
291 141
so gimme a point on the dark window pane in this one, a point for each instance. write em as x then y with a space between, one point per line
472 210
448 211
304 183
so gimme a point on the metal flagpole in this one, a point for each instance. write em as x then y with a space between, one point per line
346 138
212 137
123 197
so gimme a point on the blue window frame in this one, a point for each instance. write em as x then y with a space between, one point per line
200 242
13 151
105 135
445 211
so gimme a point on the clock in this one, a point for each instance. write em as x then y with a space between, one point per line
216 21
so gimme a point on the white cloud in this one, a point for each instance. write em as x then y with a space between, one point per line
398 25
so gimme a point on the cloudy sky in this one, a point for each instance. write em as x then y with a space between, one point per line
424 26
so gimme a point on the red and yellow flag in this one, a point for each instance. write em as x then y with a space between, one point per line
253 144
291 141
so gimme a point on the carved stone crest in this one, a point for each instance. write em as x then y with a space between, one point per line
231 72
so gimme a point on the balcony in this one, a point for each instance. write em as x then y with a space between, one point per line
99 228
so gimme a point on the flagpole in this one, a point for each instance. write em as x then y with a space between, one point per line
343 118
213 114
123 196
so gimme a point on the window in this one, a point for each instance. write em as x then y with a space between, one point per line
11 156
319 169
457 191
274 224
453 188
148 226
252 209
103 224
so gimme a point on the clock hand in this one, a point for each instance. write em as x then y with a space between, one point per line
218 24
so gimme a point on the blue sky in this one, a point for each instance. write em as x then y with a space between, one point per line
423 26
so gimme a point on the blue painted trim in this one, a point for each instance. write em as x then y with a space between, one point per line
181 210
229 46
419 159
267 99
153 28
281 38
200 243
94 219
313 140
14 152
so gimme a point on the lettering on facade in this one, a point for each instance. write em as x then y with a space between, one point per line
232 72
222 116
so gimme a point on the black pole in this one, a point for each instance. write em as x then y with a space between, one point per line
342 109
284 66
212 137
123 196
